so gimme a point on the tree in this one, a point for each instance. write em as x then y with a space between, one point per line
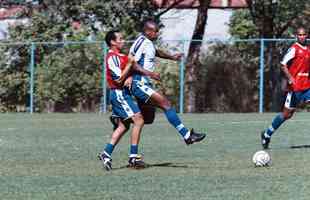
271 19
193 64
52 21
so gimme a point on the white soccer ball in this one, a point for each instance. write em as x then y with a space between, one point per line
261 158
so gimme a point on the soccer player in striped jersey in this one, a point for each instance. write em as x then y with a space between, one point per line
296 67
144 52
123 106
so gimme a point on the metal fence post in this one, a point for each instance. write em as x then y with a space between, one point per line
103 107
181 80
31 66
261 76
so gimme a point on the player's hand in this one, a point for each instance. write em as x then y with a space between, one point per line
155 76
119 81
128 82
291 81
177 56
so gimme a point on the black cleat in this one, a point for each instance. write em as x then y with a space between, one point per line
114 120
106 160
194 137
136 162
264 140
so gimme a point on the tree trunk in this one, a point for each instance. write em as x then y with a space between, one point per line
263 15
193 63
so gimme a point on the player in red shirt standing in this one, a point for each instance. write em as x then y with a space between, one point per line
296 67
123 106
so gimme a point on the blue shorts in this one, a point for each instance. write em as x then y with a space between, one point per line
294 98
123 105
142 91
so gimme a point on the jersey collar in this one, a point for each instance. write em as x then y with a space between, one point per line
301 46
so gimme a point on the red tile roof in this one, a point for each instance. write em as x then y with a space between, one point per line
195 3
10 12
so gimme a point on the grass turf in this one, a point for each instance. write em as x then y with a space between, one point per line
53 156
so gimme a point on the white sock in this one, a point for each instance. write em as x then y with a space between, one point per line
186 136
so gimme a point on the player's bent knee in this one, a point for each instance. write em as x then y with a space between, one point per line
138 119
166 103
288 115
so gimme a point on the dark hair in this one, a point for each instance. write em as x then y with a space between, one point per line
110 36
149 22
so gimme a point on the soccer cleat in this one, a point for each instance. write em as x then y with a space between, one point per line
106 160
264 140
194 137
114 120
136 162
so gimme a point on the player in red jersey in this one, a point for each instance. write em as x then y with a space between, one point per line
123 106
296 67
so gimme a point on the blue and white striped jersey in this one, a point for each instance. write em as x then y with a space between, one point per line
144 52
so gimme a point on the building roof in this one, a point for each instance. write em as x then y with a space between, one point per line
12 12
195 3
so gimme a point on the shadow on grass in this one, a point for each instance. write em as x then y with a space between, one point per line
300 146
165 164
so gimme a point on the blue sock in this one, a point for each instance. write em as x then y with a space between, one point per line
109 148
174 120
134 149
276 123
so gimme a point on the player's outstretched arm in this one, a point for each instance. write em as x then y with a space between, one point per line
162 54
138 69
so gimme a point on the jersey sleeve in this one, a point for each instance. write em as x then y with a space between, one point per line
114 65
137 49
290 54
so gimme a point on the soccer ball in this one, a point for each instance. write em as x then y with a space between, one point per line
261 158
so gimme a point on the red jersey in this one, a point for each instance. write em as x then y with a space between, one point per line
299 58
115 63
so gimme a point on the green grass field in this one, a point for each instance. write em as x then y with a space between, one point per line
53 156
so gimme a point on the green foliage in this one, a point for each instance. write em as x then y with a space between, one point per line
232 69
13 77
266 19
231 77
241 25
67 77
169 84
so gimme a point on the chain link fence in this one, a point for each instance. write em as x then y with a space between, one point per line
235 76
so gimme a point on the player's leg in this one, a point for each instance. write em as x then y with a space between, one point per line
291 101
106 155
114 120
123 108
135 160
145 93
162 102
147 111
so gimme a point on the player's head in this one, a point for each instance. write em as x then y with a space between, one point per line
301 35
150 29
114 39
